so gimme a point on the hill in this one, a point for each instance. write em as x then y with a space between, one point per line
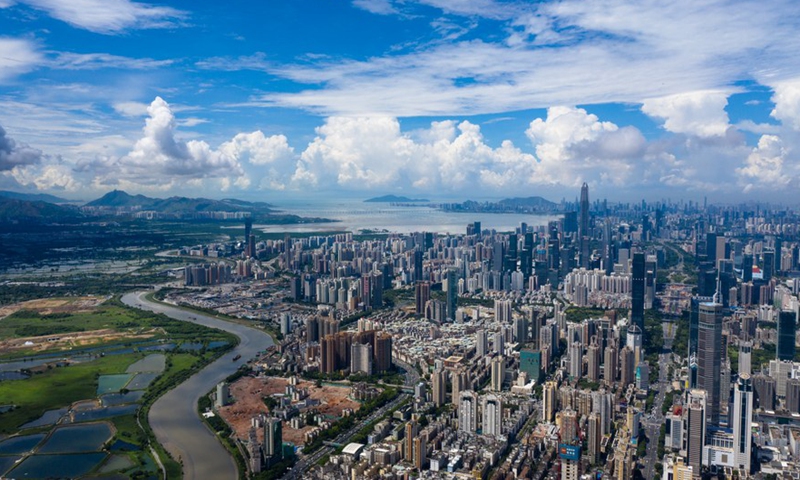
177 205
32 197
527 202
394 199
14 210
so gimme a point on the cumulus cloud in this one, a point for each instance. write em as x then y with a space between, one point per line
259 149
161 159
787 103
574 146
47 177
159 156
695 113
13 154
108 16
764 167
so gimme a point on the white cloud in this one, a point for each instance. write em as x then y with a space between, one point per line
574 146
17 56
764 167
192 122
258 149
47 177
787 103
379 7
109 16
695 113
13 154
555 53
159 156
131 109
96 61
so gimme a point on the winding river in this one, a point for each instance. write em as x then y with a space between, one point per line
174 418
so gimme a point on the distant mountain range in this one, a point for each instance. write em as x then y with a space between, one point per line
33 197
15 210
177 205
527 202
394 199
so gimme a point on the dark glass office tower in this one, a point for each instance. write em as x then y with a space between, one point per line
787 325
709 356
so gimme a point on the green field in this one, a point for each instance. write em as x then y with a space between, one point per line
110 315
56 387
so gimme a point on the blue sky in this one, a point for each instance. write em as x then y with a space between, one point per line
442 98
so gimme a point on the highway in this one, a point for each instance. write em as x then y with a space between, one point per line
174 418
654 419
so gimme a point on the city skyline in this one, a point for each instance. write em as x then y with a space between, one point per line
465 99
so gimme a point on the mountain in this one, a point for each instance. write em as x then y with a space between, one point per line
119 198
12 210
33 197
527 202
177 205
394 199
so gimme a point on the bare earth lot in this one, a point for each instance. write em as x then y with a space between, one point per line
247 394
48 306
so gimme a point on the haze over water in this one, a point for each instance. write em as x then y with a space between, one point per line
354 216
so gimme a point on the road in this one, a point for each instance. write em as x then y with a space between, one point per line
343 439
411 379
174 418
654 418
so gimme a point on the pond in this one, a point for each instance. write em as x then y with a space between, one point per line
6 463
112 383
21 444
121 398
58 466
49 417
150 363
77 438
105 412
142 380
116 462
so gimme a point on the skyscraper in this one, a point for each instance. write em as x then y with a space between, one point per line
583 226
498 373
439 380
787 325
637 290
696 428
412 430
694 318
549 401
422 293
742 417
273 442
452 292
481 343
492 415
468 411
709 357
595 436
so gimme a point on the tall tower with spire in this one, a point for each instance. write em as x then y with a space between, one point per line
583 226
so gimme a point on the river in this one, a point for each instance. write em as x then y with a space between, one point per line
173 417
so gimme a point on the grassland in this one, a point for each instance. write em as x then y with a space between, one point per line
112 315
55 388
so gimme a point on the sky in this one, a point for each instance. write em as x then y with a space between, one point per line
448 99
